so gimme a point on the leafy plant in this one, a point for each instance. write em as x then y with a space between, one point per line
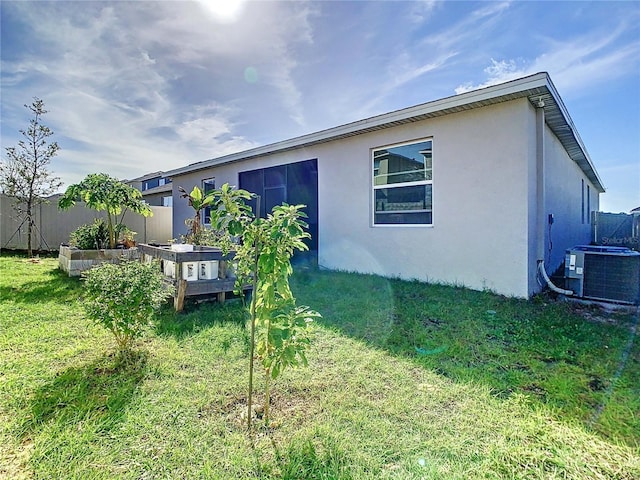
280 331
228 216
198 201
125 236
102 192
90 236
123 298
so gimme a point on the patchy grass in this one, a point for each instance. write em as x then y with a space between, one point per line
564 356
406 381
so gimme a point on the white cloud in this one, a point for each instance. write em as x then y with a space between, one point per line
401 72
117 79
422 10
498 72
583 62
467 31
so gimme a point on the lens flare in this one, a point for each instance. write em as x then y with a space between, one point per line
250 75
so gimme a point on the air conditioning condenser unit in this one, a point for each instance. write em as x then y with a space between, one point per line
603 273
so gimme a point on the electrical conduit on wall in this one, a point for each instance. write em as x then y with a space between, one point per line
541 198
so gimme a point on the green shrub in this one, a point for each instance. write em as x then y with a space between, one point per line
90 236
123 298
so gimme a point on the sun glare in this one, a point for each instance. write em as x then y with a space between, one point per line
225 11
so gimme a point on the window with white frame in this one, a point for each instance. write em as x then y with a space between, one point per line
208 185
403 184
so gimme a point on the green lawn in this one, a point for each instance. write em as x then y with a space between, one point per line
406 381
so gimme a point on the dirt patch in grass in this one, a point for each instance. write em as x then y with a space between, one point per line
283 408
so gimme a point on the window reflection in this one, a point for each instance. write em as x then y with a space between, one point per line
407 163
402 184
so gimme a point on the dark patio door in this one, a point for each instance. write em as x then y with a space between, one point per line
293 183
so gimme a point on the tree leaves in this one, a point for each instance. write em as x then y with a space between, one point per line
24 174
102 192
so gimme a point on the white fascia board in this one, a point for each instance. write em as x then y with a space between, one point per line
522 87
574 131
457 101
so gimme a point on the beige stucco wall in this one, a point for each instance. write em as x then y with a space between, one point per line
478 238
564 200
480 204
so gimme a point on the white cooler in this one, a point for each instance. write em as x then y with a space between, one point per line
208 270
190 271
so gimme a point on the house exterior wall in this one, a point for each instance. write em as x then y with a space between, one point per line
155 198
481 209
478 237
565 185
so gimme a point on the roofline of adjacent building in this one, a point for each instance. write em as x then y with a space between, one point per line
167 187
146 176
534 87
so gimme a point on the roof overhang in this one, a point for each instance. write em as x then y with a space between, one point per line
534 87
167 187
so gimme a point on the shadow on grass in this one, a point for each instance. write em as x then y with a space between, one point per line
94 395
305 460
58 288
319 458
554 352
198 317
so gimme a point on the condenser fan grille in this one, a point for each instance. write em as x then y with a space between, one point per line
612 277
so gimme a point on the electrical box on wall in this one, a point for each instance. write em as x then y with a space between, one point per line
603 273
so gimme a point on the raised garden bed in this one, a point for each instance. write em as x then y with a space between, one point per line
75 261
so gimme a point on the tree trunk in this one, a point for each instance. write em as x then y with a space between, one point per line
29 230
267 396
112 236
253 332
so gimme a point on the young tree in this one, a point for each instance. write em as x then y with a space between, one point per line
24 175
279 329
102 192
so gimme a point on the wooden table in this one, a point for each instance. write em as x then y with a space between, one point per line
183 288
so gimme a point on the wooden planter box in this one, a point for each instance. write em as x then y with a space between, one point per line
219 286
75 261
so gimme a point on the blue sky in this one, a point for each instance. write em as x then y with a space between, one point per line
135 87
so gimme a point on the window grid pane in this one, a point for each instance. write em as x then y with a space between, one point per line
402 184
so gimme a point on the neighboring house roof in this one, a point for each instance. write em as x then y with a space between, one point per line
146 176
534 87
635 210
168 187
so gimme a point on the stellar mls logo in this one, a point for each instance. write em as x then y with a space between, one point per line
619 241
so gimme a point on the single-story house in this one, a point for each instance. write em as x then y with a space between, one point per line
476 189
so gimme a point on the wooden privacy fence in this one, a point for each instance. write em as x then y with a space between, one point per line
53 226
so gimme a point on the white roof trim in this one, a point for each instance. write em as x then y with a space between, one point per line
533 87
